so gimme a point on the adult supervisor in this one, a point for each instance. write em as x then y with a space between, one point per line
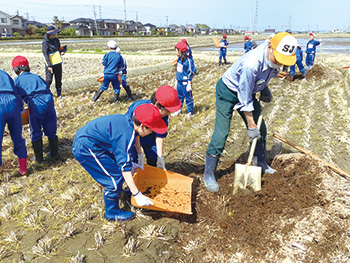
51 44
237 89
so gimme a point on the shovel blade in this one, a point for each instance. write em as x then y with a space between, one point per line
247 176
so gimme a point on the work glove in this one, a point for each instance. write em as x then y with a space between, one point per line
134 167
142 200
253 133
189 86
265 95
160 162
140 160
120 73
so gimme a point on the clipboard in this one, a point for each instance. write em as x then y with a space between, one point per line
55 58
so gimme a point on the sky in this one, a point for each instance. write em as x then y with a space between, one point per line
298 15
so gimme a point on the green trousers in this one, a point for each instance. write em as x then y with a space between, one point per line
226 99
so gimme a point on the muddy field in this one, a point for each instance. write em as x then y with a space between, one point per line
301 214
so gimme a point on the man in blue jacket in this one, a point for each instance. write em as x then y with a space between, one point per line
10 114
311 51
50 45
248 45
113 63
103 146
42 115
237 89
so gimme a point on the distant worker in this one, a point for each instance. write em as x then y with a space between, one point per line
50 46
42 115
311 51
102 147
189 55
223 49
184 75
10 113
299 56
123 77
113 63
248 45
237 90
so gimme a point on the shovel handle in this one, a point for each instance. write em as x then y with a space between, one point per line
312 155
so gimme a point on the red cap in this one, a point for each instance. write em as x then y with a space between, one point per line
149 116
311 34
181 46
167 96
184 40
246 38
224 35
19 61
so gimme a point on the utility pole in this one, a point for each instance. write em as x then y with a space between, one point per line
166 21
256 16
125 10
27 15
95 21
251 19
137 17
100 12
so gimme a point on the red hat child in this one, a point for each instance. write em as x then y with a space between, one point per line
246 38
19 61
181 46
149 116
312 34
167 96
224 35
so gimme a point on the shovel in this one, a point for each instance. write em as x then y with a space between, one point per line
249 175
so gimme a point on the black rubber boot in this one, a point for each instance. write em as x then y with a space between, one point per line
97 95
59 92
116 97
225 62
219 62
54 148
114 213
38 150
128 91
291 78
211 163
260 159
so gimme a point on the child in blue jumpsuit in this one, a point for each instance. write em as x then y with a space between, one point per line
311 51
223 49
103 146
189 55
184 75
248 45
42 115
113 63
123 77
167 101
10 114
299 56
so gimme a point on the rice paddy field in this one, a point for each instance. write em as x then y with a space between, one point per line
302 213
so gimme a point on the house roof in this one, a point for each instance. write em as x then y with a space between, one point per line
5 14
82 20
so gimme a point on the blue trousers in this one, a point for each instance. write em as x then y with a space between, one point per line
184 94
300 66
222 54
42 117
101 165
10 114
124 83
108 79
309 60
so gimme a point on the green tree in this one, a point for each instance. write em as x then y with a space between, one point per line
58 23
32 29
16 34
153 32
68 32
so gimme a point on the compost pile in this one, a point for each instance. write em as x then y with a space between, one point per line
292 217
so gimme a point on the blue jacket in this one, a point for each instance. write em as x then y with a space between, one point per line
311 46
7 85
184 70
250 74
248 45
112 133
125 66
113 63
29 85
225 42
131 111
189 52
299 54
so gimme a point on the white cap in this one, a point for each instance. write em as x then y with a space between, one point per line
118 50
112 44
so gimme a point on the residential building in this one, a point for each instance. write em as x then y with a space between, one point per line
149 27
5 24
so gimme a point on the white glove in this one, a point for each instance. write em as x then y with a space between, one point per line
134 167
140 160
189 86
120 73
142 200
160 162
